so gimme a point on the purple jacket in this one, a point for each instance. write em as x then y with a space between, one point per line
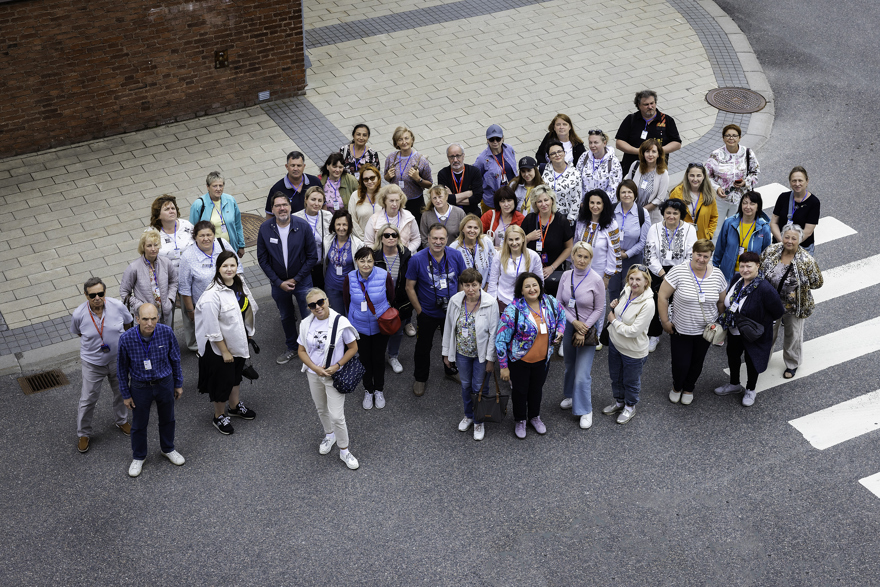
488 166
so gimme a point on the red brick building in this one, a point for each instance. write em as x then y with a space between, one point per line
74 70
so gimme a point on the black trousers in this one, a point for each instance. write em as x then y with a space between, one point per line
428 325
735 349
371 349
688 354
317 279
527 383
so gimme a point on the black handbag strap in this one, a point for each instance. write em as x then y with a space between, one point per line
332 346
220 240
784 277
497 388
576 314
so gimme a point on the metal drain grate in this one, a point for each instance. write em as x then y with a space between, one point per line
42 381
736 100
250 224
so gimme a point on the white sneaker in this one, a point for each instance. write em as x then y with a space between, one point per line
395 365
410 329
479 431
728 388
626 415
379 400
560 350
653 341
674 396
599 347
368 400
687 398
349 460
326 444
565 404
586 421
175 457
465 424
749 398
134 469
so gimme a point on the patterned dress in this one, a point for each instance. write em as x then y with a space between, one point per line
568 188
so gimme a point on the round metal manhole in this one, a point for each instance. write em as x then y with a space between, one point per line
250 223
736 100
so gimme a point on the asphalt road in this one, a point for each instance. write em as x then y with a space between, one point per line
709 494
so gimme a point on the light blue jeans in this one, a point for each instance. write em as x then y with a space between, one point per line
395 339
578 381
471 371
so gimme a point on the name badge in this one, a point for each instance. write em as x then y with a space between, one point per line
441 284
105 348
148 366
644 184
273 240
539 246
669 256
543 328
740 251
207 265
363 306
338 270
571 303
702 297
644 135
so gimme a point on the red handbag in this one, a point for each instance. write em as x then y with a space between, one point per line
389 321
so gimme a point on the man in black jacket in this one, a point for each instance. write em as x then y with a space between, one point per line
465 182
647 123
286 252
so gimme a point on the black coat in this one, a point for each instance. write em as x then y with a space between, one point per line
763 306
577 149
401 300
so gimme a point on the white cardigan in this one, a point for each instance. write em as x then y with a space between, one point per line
629 331
218 317
323 226
657 196
501 284
485 324
408 229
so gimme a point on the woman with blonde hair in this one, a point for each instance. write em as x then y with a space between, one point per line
439 210
695 190
389 211
475 247
366 202
150 279
515 259
409 169
549 234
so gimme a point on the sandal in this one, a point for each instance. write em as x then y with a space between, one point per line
789 373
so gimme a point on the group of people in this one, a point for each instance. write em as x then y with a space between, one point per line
572 251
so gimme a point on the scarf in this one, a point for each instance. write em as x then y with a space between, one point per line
740 290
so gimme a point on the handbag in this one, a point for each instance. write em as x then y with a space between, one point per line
590 338
750 329
713 332
350 374
389 321
486 410
604 338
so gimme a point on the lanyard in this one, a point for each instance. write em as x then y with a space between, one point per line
527 201
339 257
175 234
153 271
518 262
699 281
315 225
445 219
402 168
544 229
595 164
370 200
647 122
222 222
336 198
469 314
556 177
388 220
472 254
593 232
695 211
357 160
745 238
101 329
207 256
670 239
390 266
627 304
625 214
501 166
147 347
457 184
539 314
431 270
741 290
791 204
297 190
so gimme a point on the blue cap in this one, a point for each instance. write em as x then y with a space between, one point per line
494 131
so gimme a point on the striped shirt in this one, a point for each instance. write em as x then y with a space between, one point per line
689 316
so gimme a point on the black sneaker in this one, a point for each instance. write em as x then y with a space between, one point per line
222 424
240 411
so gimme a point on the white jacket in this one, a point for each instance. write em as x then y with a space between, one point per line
356 244
485 323
218 317
501 284
408 229
629 332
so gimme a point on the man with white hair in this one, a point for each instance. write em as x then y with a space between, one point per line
465 182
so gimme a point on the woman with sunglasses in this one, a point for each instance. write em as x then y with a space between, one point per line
390 255
389 211
439 210
634 225
504 215
565 181
514 260
670 243
475 247
363 208
696 192
340 245
358 153
225 316
524 184
561 129
368 292
599 167
497 165
338 183
529 328
733 170
650 174
549 234
314 341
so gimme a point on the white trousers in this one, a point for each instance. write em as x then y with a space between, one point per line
331 407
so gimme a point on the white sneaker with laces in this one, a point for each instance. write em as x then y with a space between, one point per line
134 469
653 341
349 460
175 457
379 400
587 421
395 364
479 431
749 398
560 350
410 329
327 444
565 404
368 400
465 424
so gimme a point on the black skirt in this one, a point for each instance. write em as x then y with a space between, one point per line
216 377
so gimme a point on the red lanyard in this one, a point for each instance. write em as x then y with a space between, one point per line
457 184
501 165
101 329
544 229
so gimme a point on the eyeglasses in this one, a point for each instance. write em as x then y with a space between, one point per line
731 136
595 132
371 178
315 304
389 235
461 156
557 153
496 139
92 296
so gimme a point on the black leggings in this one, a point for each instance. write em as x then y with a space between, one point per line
527 386
688 354
371 349
735 349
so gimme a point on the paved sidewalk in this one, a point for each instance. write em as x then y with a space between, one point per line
77 211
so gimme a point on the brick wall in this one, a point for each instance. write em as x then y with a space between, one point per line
74 70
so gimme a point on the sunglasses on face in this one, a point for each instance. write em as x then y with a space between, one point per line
315 304
389 235
495 140
92 296
371 178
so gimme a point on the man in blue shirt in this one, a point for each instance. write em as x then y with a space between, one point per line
148 365
431 279
293 185
286 253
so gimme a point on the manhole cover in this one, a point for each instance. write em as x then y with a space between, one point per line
250 223
42 381
736 100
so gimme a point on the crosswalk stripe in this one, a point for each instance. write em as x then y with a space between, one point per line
830 229
841 422
770 193
848 278
822 353
872 483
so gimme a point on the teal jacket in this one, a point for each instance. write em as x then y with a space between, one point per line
203 208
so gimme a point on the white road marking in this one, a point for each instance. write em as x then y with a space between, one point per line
770 193
830 228
848 278
841 422
872 483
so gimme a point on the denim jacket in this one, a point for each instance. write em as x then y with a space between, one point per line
525 331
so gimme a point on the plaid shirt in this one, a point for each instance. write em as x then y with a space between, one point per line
164 357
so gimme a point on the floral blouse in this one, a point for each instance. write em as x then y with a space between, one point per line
370 157
568 188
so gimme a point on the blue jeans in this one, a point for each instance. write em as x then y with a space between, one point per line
811 249
472 372
578 381
335 299
626 376
395 339
618 280
144 396
284 301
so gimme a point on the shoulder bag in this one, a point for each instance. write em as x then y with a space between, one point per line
713 332
487 410
350 374
389 321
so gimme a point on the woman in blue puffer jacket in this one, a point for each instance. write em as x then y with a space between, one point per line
368 292
747 230
530 326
